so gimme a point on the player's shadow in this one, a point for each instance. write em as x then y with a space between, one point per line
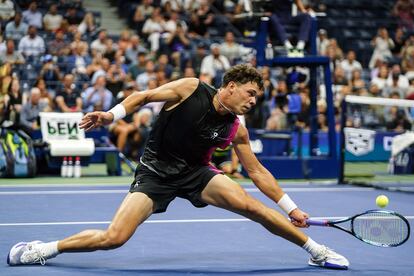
182 271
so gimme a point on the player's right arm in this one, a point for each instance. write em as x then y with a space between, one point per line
173 93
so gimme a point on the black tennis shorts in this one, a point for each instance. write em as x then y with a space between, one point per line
164 190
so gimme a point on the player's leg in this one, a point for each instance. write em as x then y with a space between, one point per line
223 192
134 210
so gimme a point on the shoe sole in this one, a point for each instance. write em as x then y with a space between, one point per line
329 266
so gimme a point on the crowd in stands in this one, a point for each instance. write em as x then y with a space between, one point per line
54 56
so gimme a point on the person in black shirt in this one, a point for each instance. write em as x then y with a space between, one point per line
195 119
68 99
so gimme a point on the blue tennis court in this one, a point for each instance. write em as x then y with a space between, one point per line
187 240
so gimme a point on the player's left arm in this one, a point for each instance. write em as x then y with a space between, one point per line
263 179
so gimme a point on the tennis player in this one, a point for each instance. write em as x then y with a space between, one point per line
195 119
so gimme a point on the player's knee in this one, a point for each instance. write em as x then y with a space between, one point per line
114 239
253 208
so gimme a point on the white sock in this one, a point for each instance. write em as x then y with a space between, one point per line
288 45
312 247
300 45
49 250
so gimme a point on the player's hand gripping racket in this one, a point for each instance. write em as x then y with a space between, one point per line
376 227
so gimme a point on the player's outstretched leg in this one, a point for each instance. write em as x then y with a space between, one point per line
134 210
223 192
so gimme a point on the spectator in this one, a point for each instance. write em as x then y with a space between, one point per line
6 11
78 42
383 45
115 77
73 17
68 99
32 44
142 13
126 126
138 67
178 42
164 65
102 70
11 55
350 64
197 58
14 101
358 84
322 41
404 11
16 29
215 64
97 97
99 45
396 83
87 26
45 96
50 72
124 41
153 28
381 79
281 15
78 61
196 29
398 43
407 62
189 72
29 116
58 46
32 16
143 78
395 118
232 50
111 49
134 48
52 20
143 119
205 14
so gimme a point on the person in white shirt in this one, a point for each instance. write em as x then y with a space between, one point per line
52 20
383 45
16 29
32 44
214 64
350 64
32 16
6 10
99 44
231 49
153 28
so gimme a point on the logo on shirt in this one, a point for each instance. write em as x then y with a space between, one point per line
137 184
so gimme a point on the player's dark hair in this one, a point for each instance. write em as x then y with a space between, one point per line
241 74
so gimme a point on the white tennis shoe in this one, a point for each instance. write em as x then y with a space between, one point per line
24 253
329 259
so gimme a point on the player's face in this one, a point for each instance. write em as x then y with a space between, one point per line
245 97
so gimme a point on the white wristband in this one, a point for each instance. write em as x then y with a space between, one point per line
118 111
286 204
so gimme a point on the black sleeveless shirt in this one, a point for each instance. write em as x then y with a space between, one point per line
184 138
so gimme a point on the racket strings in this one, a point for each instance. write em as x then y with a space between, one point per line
382 229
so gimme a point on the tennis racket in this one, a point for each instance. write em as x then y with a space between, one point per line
376 227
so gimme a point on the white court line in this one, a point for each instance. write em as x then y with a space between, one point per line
242 183
161 221
252 190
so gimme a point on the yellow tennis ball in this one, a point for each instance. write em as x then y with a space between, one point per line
382 201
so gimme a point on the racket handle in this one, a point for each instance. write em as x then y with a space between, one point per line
317 222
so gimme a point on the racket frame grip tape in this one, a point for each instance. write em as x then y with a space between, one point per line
317 222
